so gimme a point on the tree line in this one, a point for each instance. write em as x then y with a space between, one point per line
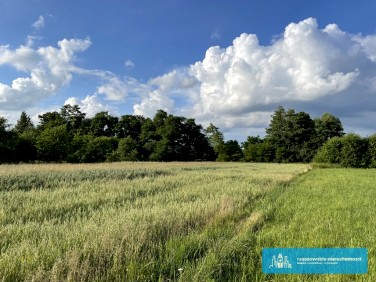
70 136
295 137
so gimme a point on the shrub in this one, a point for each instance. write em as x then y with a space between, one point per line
330 152
354 152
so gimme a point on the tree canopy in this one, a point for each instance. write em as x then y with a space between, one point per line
69 136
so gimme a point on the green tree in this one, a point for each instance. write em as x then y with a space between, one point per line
78 148
330 152
216 141
179 139
372 150
354 151
256 149
266 152
53 144
251 149
25 150
99 149
128 150
233 151
73 117
130 125
148 138
290 134
24 123
50 119
5 148
103 124
195 145
326 127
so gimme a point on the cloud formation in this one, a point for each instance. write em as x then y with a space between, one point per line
308 68
50 69
90 105
239 85
39 23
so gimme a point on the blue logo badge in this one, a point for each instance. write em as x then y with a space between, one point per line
314 260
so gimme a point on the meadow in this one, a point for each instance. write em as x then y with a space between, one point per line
176 221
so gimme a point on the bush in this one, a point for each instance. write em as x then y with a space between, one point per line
350 150
330 152
354 151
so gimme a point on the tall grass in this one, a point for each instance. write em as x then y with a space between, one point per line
133 221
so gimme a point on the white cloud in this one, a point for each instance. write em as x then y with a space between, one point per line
307 68
91 105
239 86
115 89
160 92
39 23
49 69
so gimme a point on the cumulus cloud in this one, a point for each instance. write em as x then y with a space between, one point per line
238 87
163 92
50 69
242 84
115 89
90 105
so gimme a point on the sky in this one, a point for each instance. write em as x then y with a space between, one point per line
226 62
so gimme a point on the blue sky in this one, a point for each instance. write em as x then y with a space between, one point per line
134 57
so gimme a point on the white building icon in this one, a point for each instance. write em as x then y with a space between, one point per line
280 262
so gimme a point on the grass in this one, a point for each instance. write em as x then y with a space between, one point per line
325 208
132 221
177 221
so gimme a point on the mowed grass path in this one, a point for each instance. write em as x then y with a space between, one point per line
324 208
135 221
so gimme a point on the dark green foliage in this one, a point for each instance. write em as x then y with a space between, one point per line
233 152
372 150
216 141
98 149
25 147
78 150
170 138
257 150
128 150
354 151
326 127
24 124
73 117
103 124
53 144
68 136
330 152
290 134
8 140
50 119
350 150
130 126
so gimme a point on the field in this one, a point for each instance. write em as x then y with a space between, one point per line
176 221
